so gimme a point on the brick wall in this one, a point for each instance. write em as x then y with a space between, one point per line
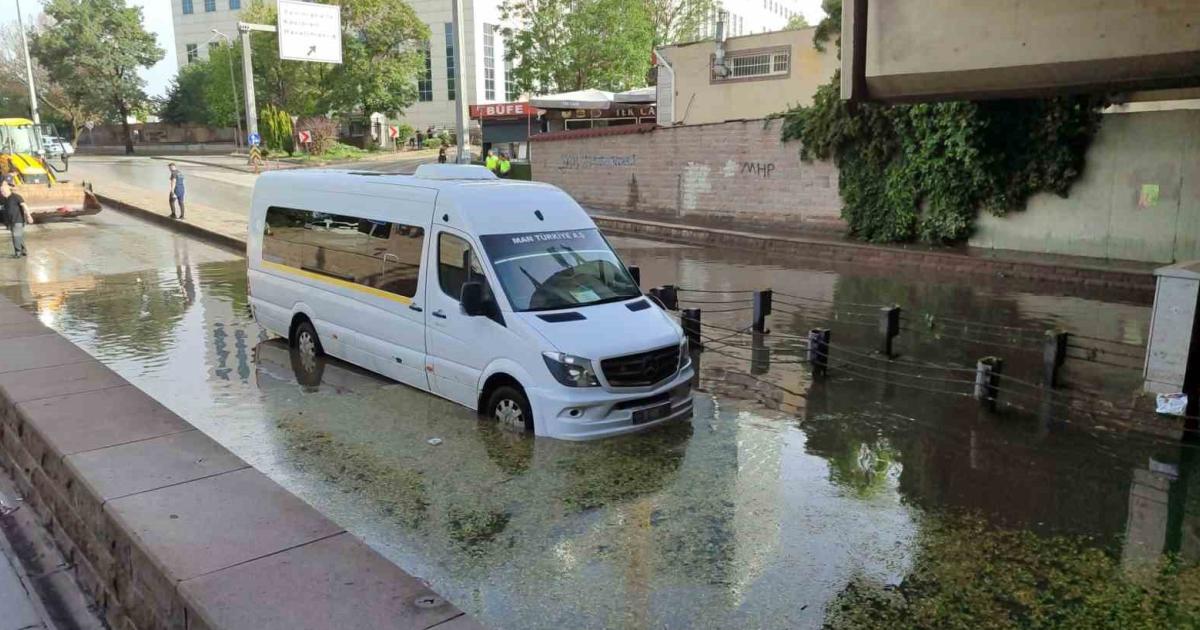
735 173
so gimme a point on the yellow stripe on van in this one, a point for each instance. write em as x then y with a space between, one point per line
345 284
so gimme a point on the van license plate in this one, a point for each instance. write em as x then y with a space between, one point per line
643 416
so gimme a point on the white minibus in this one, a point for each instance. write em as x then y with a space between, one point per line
498 295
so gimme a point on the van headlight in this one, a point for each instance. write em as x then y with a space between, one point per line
571 370
685 353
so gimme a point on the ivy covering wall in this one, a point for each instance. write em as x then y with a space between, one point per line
923 172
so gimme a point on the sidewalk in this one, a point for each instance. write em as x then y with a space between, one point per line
239 162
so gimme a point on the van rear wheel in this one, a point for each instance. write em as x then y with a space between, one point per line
305 339
509 407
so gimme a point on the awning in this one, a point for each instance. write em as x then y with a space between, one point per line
639 95
583 99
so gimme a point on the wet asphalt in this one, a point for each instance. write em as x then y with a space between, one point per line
756 513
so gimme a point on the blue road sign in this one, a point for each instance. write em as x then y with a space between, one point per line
253 139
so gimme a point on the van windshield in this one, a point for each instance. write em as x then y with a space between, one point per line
543 271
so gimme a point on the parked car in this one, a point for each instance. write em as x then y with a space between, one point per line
501 296
56 146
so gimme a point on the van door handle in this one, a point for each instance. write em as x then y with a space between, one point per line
439 314
414 307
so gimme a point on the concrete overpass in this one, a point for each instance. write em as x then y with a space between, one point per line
925 50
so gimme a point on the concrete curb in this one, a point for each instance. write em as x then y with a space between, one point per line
166 529
873 255
211 237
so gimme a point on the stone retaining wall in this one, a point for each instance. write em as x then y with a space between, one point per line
738 173
166 529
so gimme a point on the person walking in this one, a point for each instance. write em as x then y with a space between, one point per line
16 215
505 165
177 190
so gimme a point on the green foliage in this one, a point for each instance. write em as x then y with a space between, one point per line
98 46
203 93
968 575
185 101
324 133
382 42
276 127
677 21
830 28
797 21
566 45
911 172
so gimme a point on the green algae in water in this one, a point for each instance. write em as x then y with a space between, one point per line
476 527
970 575
400 492
612 471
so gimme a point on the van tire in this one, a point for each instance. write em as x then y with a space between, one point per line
305 339
509 407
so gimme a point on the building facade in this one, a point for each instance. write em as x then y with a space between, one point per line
486 76
748 17
763 74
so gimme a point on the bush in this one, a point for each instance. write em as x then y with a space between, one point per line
324 133
433 143
276 126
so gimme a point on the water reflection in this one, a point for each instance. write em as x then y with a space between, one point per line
757 513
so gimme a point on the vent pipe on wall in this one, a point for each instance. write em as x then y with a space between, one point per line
719 67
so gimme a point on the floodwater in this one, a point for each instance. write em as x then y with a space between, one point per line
758 513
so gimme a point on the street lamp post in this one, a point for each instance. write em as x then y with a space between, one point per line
237 107
460 105
33 104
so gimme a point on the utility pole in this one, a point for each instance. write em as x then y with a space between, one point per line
33 106
460 103
237 106
248 71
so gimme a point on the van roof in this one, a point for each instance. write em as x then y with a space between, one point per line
474 203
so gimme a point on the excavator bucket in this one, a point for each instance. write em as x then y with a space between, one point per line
61 199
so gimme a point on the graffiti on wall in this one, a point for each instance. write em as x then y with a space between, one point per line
692 184
734 168
580 161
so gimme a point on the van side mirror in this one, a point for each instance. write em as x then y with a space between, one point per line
473 302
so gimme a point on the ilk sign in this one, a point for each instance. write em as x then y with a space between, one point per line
309 31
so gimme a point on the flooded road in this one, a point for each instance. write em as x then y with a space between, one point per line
784 503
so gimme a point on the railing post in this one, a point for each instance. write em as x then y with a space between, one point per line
690 318
1054 352
987 381
889 328
762 308
760 354
818 350
635 272
667 295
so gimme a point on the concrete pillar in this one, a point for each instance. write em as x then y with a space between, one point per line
1173 355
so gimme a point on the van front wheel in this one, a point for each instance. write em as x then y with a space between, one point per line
509 407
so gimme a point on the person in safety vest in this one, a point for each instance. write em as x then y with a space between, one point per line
492 162
505 165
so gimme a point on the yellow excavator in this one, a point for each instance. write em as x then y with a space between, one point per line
25 159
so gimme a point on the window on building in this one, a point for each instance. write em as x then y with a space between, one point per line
375 254
210 6
451 93
757 64
510 82
193 52
425 82
188 9
235 5
489 62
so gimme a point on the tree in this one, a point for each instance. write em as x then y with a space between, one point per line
97 46
185 101
679 20
66 104
797 21
564 45
830 27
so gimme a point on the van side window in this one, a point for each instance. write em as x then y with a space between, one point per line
456 264
377 254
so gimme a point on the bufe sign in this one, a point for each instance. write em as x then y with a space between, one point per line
501 110
310 32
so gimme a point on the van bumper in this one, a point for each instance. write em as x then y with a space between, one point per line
591 413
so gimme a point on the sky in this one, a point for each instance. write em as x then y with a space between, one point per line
157 15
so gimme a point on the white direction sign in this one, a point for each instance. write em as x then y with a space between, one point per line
309 31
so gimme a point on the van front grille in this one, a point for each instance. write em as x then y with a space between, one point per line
642 369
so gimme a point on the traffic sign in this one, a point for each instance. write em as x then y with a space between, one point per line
310 31
394 132
253 139
305 137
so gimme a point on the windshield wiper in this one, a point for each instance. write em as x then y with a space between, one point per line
608 300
